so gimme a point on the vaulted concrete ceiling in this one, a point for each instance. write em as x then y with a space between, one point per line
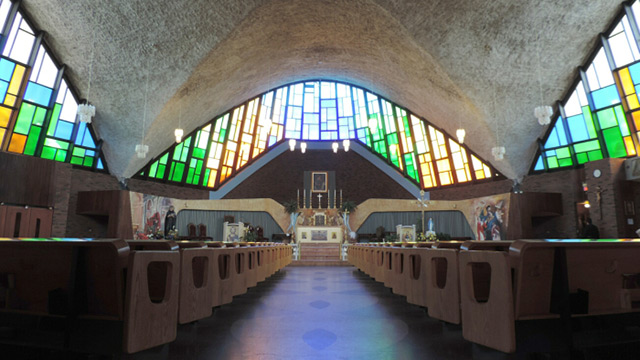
470 63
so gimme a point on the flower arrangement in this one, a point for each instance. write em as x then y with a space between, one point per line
431 236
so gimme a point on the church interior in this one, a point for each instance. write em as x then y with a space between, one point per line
319 179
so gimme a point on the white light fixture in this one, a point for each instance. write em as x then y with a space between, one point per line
86 112
586 204
373 125
498 152
178 133
543 114
142 150
335 147
292 144
346 143
460 134
303 147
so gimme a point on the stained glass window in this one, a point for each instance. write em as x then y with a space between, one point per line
39 118
598 118
317 111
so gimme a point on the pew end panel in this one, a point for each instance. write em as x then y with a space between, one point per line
151 321
487 314
196 284
443 285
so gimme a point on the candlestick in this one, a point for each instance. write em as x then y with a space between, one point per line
298 198
335 192
340 197
304 198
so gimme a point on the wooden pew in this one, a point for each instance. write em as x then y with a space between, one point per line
559 291
74 295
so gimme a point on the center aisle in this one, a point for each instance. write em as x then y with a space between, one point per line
319 313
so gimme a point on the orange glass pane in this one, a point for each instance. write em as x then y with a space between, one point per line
17 143
2 132
5 114
636 119
212 178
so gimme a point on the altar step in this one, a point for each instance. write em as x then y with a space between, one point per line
320 251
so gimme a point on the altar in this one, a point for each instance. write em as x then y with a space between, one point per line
319 234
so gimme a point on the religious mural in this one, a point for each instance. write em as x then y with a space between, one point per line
490 215
151 216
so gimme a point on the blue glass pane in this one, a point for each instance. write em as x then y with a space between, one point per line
577 128
90 153
38 94
6 69
64 130
539 164
634 70
557 137
82 127
99 166
605 97
3 89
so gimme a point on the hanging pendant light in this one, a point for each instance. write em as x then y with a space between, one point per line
292 144
303 147
142 150
543 114
86 112
178 133
346 143
498 152
460 134
335 147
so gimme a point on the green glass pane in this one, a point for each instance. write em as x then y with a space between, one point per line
24 119
164 158
565 162
624 127
552 162
198 153
39 117
614 141
595 155
587 146
48 153
392 139
563 153
179 171
620 118
607 119
190 176
78 152
196 180
153 170
199 167
223 134
32 141
582 158
76 160
54 119
161 169
177 151
173 166
206 176
185 148
88 161
61 155
588 119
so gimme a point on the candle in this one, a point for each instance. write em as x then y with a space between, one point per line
335 192
340 197
298 198
304 198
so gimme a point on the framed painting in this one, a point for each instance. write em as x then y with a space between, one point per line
319 182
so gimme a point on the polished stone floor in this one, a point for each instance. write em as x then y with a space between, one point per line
319 313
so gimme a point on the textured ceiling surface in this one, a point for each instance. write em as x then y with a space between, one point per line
469 63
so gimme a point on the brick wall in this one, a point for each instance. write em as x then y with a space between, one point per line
357 177
462 192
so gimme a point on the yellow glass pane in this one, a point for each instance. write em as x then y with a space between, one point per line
632 101
627 84
487 171
479 174
462 176
16 80
212 178
17 143
2 132
445 178
628 143
5 114
10 100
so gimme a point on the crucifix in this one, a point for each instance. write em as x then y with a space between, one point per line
599 192
319 201
422 203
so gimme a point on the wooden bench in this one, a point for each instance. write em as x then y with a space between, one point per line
196 264
563 295
87 296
